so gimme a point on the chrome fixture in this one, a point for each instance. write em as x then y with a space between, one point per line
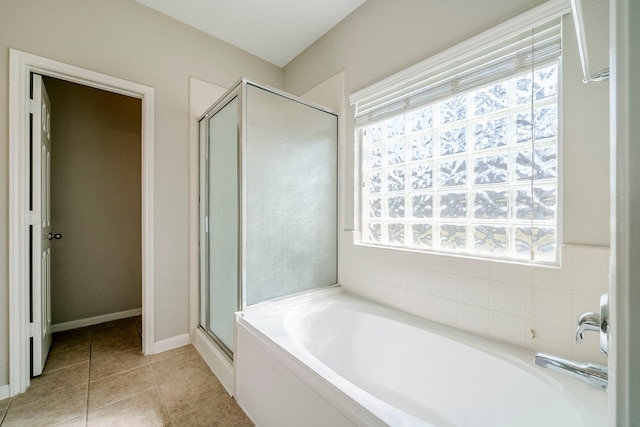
604 324
591 373
587 322
596 322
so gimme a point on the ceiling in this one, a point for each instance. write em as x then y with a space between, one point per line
274 30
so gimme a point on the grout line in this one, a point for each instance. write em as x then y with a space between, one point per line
86 411
103 356
92 336
164 403
6 410
118 373
112 375
64 422
121 398
47 371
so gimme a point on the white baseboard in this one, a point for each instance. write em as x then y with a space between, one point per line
4 391
171 343
81 323
217 361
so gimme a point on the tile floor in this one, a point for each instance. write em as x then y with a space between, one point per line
97 376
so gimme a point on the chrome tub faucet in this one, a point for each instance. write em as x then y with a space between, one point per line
591 373
594 374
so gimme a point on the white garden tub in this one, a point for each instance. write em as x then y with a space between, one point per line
331 359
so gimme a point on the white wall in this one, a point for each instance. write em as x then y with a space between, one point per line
504 301
125 39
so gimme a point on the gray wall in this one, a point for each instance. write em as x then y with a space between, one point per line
127 40
95 201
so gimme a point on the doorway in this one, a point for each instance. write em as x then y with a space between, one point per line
95 205
22 65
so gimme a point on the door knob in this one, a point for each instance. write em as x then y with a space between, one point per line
56 236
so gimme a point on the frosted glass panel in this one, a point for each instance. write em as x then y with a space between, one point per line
223 222
291 203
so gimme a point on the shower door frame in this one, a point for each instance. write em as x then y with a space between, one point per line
233 93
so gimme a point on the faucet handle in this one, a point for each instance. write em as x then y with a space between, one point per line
596 322
587 322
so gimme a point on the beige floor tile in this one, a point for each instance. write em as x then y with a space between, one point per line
106 348
49 410
77 332
120 386
116 363
4 403
80 421
138 320
71 340
144 409
119 333
113 323
66 358
180 398
220 410
184 381
2 412
53 382
183 367
171 353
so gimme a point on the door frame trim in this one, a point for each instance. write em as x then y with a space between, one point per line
21 65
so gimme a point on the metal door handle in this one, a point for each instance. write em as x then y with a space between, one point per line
56 236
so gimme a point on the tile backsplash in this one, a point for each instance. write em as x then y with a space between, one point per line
533 307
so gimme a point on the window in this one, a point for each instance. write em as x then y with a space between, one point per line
466 161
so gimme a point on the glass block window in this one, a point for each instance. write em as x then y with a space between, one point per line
473 173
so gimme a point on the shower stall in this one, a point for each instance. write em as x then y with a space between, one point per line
268 203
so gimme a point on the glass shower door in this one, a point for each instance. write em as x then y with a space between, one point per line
291 183
222 225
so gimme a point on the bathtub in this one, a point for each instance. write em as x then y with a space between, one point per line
331 359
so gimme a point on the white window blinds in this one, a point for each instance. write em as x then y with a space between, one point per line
442 77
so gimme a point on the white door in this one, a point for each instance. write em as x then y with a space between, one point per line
41 226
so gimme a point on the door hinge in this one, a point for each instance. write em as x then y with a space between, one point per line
34 329
33 218
33 108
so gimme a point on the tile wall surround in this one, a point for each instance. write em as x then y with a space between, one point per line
498 300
